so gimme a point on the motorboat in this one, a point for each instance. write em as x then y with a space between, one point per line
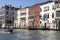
32 28
9 29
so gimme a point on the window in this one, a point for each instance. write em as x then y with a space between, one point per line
6 16
6 12
1 13
13 18
1 17
53 21
40 22
23 19
23 9
23 14
40 10
53 7
46 16
13 12
32 10
58 5
46 8
53 15
58 13
53 25
40 16
8 21
31 17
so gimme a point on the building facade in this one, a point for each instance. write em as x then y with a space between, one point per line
47 13
7 16
34 16
50 14
57 18
40 15
2 17
22 18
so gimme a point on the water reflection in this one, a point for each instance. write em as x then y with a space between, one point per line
30 35
34 35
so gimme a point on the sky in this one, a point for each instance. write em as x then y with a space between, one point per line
17 3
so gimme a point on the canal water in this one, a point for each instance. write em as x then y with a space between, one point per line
30 35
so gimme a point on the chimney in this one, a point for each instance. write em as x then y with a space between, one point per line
20 6
49 0
9 6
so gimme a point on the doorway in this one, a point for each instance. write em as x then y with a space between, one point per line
0 25
59 25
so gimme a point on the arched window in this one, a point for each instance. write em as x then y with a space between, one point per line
40 10
53 15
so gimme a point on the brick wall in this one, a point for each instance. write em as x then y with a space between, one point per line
35 10
58 1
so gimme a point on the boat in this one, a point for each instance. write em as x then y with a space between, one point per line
9 29
32 28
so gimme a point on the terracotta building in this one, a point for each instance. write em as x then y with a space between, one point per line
34 12
58 1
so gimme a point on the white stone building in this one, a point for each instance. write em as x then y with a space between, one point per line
22 18
2 17
47 14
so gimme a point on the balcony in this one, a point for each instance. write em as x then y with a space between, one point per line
31 19
23 19
23 14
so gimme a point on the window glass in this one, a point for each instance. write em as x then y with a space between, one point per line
6 12
46 16
46 8
58 5
58 13
53 15
23 19
22 14
53 7
40 10
40 16
31 17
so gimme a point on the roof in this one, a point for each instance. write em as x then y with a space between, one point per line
16 8
7 6
42 3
